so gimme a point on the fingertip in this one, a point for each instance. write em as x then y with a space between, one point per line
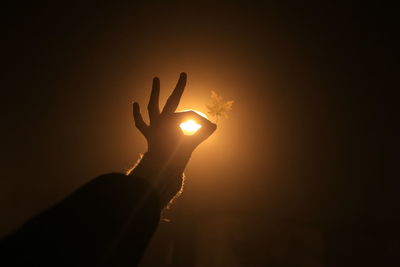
183 75
135 106
211 127
156 84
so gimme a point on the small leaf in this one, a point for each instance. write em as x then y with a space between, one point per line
218 107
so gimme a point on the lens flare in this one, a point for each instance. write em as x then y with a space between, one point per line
189 127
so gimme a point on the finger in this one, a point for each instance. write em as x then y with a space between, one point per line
207 128
204 132
153 108
139 122
175 97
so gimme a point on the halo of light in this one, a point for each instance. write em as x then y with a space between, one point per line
190 127
198 112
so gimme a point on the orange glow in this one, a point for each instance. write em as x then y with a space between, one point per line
198 112
189 127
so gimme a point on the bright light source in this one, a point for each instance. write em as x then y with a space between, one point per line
189 127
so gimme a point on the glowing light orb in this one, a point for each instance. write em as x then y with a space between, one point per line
189 127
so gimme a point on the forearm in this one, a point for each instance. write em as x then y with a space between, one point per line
164 173
107 222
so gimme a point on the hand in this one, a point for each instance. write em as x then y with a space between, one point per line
164 137
169 149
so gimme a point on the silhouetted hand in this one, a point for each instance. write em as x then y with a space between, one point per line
163 135
168 148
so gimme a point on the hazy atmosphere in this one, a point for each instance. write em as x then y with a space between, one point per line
305 164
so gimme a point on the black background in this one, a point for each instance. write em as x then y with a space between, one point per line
303 172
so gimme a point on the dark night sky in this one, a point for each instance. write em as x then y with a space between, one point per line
311 137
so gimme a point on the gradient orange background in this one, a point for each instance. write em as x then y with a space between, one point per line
309 138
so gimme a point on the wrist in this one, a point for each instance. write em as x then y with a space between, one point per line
167 162
165 174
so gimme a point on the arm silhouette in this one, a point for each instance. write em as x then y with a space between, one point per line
110 220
